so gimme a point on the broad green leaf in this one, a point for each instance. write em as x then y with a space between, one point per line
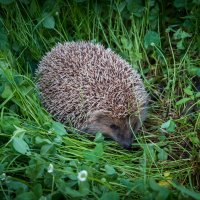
72 193
188 91
19 80
154 186
58 139
197 2
33 8
16 185
65 189
3 176
21 146
99 150
25 196
74 163
37 190
25 90
84 188
162 138
94 155
197 94
127 183
149 151
90 156
150 38
162 155
135 7
7 93
193 136
6 2
4 44
19 132
8 124
39 140
121 6
43 198
2 87
16 47
110 196
183 101
195 140
3 65
36 168
180 34
180 3
190 193
126 44
180 45
2 166
59 128
163 194
154 16
70 173
110 169
99 137
169 126
166 124
47 149
194 70
49 22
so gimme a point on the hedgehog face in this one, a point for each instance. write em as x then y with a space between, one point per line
117 129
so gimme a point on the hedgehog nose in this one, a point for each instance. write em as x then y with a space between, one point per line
127 145
127 142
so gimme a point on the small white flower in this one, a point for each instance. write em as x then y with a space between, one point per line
50 168
82 175
57 13
3 177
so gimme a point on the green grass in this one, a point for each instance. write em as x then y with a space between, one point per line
164 162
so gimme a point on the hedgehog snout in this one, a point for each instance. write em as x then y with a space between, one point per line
125 139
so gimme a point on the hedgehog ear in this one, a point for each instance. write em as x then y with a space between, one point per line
98 113
137 120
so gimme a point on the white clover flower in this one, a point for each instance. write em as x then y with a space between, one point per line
50 168
82 175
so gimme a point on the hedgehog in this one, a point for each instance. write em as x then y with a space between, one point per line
93 89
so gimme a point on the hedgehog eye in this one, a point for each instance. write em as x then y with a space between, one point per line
114 127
